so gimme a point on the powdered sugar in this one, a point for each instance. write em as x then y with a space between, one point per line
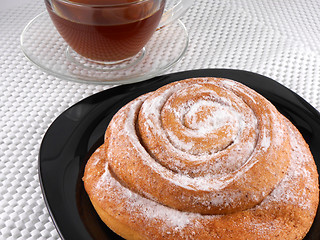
185 160
175 222
233 125
143 207
153 155
265 142
218 117
298 173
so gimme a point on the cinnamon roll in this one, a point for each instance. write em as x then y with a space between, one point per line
203 158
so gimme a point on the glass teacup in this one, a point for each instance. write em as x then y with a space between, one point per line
111 31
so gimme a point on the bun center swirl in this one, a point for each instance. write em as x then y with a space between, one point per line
210 146
196 123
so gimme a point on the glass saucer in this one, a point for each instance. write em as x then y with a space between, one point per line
42 45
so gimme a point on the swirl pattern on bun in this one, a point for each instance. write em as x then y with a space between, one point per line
203 158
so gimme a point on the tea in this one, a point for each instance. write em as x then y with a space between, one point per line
106 33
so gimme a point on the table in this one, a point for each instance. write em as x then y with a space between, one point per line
279 39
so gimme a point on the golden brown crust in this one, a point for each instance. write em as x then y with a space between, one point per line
274 191
115 225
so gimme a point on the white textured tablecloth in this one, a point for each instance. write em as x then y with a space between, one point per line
279 39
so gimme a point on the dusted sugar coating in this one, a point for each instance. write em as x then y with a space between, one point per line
203 158
198 169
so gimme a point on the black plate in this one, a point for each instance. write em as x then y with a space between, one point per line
78 131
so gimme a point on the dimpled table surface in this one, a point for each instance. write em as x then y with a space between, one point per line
278 39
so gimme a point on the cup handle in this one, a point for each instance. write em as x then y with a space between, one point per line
174 12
